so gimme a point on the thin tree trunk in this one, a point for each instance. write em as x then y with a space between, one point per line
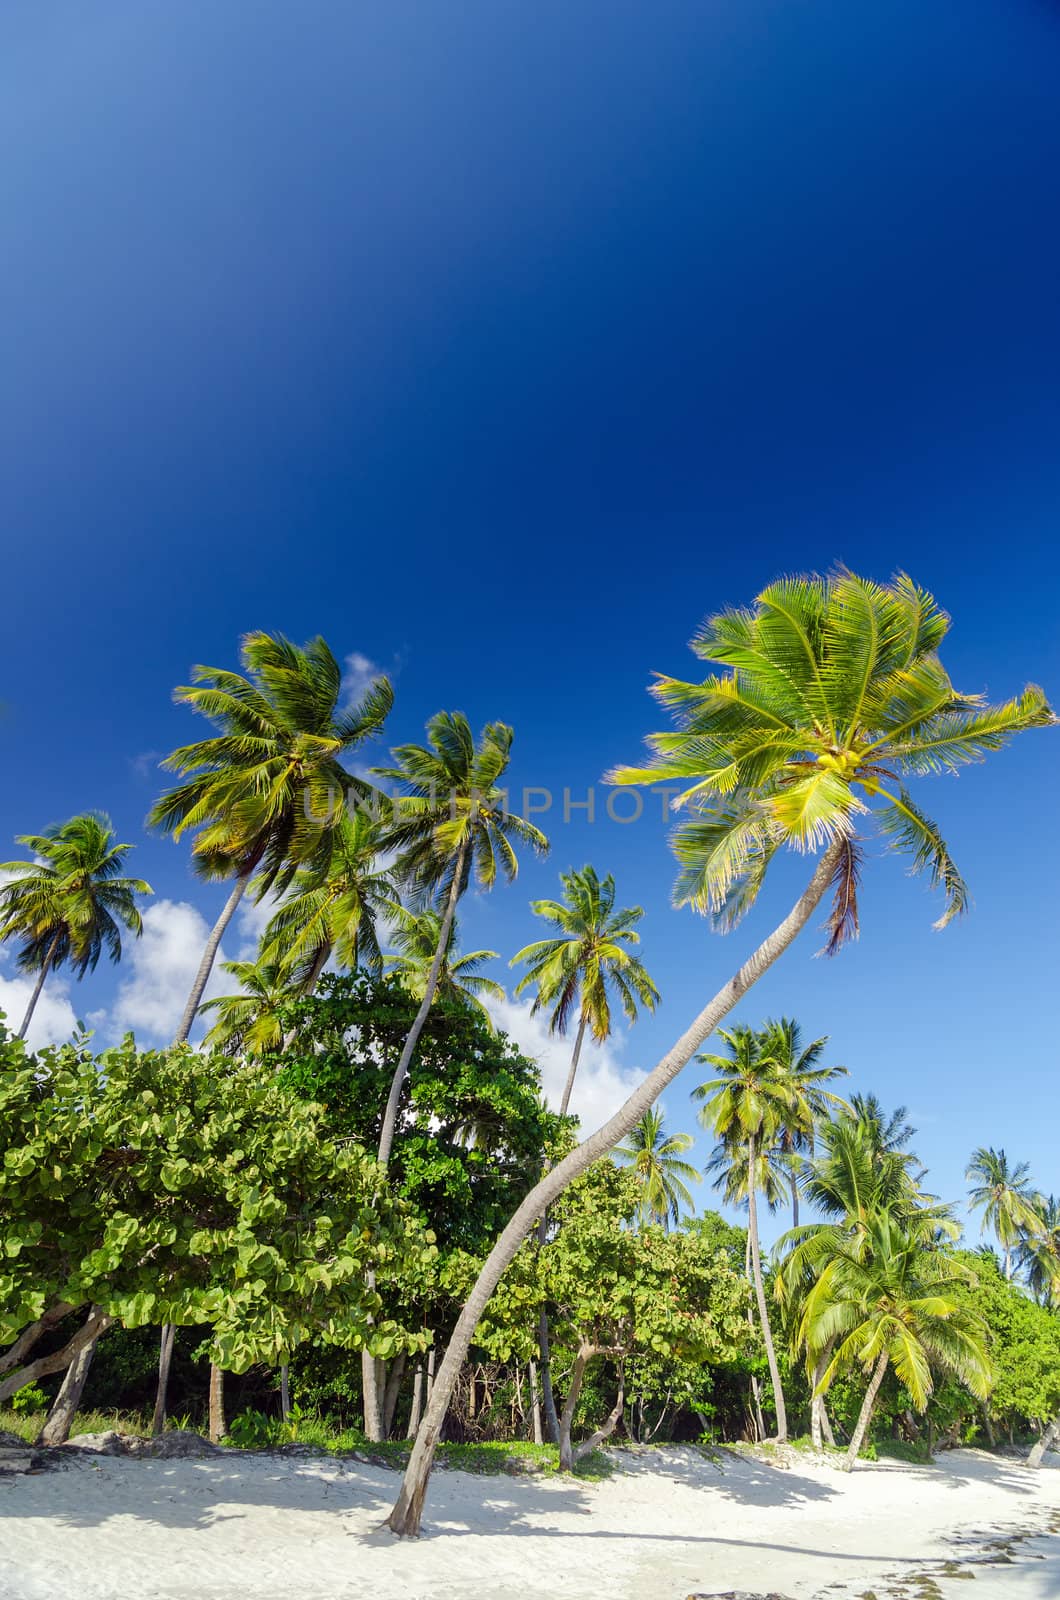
217 1403
431 1356
165 1356
285 1390
39 985
606 1429
794 1201
566 1454
417 1401
865 1415
369 1378
391 1391
1046 1442
59 1360
757 1418
544 1346
213 944
535 1404
760 1292
320 961
57 1424
819 1424
407 1512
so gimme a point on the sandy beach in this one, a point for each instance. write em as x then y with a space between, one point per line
667 1523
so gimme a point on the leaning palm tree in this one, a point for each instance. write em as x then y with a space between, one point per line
575 973
451 821
890 1302
264 793
747 1104
69 904
416 936
656 1159
1005 1195
250 1022
831 695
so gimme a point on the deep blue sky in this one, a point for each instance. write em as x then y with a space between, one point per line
500 344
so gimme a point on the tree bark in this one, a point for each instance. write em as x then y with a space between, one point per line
581 1361
1046 1442
417 1401
56 1429
44 1366
30 1335
794 1201
820 1427
213 944
217 1403
46 967
407 1512
391 1391
535 1404
760 1292
865 1414
285 1391
165 1356
568 1087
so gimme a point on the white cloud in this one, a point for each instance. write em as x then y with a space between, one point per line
603 1081
53 1020
360 671
162 966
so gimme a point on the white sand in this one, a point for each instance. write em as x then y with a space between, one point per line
667 1523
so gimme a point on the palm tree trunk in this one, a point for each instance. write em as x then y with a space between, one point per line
217 1403
1046 1442
408 1509
760 1292
213 944
794 1201
373 1420
544 1349
865 1415
39 985
819 1424
56 1429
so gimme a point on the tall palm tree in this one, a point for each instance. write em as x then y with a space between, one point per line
746 1105
1005 1196
335 911
889 1301
1038 1252
810 1101
831 695
576 972
69 904
655 1157
250 1022
451 822
416 937
264 793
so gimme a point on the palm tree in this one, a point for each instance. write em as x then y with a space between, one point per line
250 1022
68 904
451 821
831 689
266 791
576 971
747 1104
887 1300
1038 1252
1005 1196
335 912
809 1101
416 936
655 1157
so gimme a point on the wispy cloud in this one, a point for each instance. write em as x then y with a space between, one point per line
603 1081
161 967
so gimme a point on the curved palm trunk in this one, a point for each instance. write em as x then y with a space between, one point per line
39 985
865 1415
760 1292
408 1509
548 1397
1046 1442
373 1417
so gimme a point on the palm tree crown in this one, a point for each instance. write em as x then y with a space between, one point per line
415 937
833 695
1005 1195
655 1157
69 904
335 912
251 1021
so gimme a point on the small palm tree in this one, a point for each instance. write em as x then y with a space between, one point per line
250 1022
655 1157
335 912
810 1101
69 904
264 794
889 1301
746 1105
451 822
1006 1197
591 957
1038 1252
416 938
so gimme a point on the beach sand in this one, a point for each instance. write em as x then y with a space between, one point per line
667 1523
